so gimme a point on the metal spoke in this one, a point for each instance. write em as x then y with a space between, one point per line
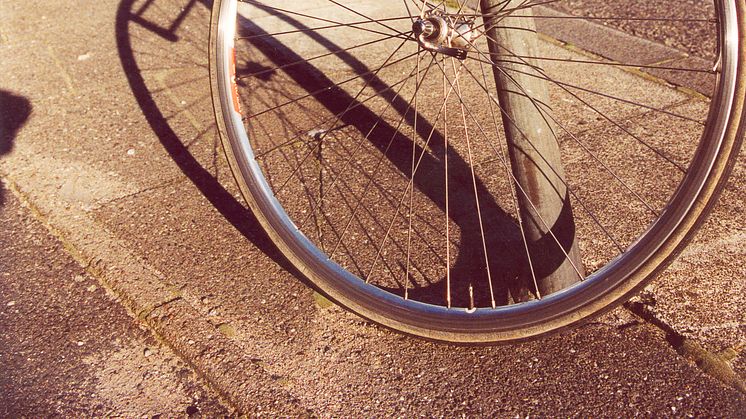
533 206
544 114
411 193
409 11
631 19
447 217
608 63
476 192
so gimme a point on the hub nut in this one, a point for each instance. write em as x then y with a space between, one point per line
445 36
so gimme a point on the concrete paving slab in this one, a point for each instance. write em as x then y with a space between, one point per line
686 26
709 275
587 35
706 277
80 80
325 354
256 327
70 349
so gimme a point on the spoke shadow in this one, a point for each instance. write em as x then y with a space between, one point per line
15 112
240 217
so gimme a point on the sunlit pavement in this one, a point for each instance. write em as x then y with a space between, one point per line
120 159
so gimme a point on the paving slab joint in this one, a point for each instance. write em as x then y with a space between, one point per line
715 364
165 184
38 214
93 266
143 313
645 71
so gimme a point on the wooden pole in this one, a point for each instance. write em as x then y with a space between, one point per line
533 148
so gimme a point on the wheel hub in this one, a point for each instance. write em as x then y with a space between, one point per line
444 34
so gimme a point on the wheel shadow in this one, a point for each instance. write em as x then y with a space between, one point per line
15 112
131 12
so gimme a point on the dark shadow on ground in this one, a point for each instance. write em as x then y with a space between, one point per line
14 111
235 212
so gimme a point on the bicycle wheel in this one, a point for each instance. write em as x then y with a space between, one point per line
369 138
